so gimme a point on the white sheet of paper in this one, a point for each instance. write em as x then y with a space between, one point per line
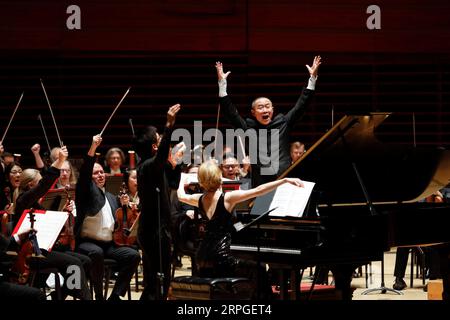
48 226
290 200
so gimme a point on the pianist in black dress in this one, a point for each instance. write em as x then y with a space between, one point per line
214 257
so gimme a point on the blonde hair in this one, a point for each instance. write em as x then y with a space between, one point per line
209 176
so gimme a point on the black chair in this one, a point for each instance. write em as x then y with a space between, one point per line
110 265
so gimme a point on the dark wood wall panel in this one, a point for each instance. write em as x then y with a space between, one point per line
166 49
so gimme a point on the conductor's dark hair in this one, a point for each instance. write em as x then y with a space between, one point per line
143 142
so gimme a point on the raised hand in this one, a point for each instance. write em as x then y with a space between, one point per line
36 148
314 69
220 74
63 154
96 140
171 114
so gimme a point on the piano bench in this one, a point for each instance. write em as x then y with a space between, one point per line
196 288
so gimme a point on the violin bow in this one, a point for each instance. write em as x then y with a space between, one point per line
11 119
115 109
130 121
51 112
45 133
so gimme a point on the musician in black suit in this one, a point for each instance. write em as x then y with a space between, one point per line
154 232
264 169
95 223
10 290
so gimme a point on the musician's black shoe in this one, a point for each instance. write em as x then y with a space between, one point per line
399 284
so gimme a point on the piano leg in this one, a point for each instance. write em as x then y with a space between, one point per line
342 274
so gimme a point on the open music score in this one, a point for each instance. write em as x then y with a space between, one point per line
47 223
286 200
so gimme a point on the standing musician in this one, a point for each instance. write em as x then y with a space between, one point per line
154 222
94 226
32 187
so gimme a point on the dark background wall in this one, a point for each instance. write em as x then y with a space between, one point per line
166 50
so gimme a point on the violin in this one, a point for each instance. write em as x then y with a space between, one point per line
125 218
67 237
29 248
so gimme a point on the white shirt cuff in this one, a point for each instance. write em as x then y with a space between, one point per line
312 83
222 88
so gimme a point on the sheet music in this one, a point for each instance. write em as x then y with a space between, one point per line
48 225
290 200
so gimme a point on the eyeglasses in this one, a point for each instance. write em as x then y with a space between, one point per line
66 170
230 166
13 172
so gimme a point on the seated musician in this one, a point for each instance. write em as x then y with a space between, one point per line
213 257
32 187
11 182
297 150
114 160
94 226
10 290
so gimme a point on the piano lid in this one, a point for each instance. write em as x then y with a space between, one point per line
390 173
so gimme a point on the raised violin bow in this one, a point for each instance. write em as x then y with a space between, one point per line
51 112
114 111
45 133
130 121
11 119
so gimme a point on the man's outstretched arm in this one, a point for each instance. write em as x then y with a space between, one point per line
305 99
228 108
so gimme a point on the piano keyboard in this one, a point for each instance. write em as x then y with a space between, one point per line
263 249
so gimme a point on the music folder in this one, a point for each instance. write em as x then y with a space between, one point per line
240 226
48 225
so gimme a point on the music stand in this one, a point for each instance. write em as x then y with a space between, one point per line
113 183
55 199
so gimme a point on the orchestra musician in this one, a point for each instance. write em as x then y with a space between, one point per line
94 226
114 159
32 187
10 290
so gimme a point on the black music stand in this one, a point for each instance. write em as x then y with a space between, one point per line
113 183
55 199
382 288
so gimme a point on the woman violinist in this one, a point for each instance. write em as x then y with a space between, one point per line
32 187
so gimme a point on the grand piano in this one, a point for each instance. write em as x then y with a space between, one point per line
366 200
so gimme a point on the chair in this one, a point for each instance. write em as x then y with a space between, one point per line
110 265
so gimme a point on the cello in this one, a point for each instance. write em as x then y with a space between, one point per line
125 219
67 237
29 248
